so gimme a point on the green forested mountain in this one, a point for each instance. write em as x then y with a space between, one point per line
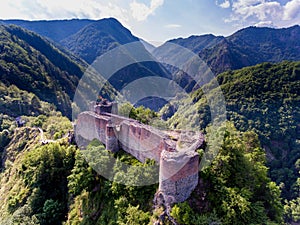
44 176
245 47
249 46
89 39
33 64
97 38
86 38
73 34
254 45
100 37
263 98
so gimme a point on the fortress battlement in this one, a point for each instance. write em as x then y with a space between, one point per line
176 155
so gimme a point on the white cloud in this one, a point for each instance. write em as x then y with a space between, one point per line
264 24
291 10
172 26
259 9
9 8
262 12
225 4
156 3
62 9
141 11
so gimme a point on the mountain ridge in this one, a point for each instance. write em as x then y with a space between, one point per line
55 30
246 47
234 190
98 37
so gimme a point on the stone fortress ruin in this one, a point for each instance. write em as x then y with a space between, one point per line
174 151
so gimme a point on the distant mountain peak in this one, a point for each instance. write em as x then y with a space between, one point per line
261 30
97 38
110 20
246 47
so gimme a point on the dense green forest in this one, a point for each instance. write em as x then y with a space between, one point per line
264 99
53 184
33 64
45 177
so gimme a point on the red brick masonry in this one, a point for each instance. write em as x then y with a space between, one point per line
179 167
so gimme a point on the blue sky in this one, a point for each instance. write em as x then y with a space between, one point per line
159 20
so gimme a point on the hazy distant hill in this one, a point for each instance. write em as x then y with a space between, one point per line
55 30
246 47
198 43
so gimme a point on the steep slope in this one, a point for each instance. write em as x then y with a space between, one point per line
226 56
273 45
97 38
263 98
100 37
254 45
15 102
33 64
89 39
246 47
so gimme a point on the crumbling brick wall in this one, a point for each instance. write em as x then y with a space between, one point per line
178 174
178 169
140 141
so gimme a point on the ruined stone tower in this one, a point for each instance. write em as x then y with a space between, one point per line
178 175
